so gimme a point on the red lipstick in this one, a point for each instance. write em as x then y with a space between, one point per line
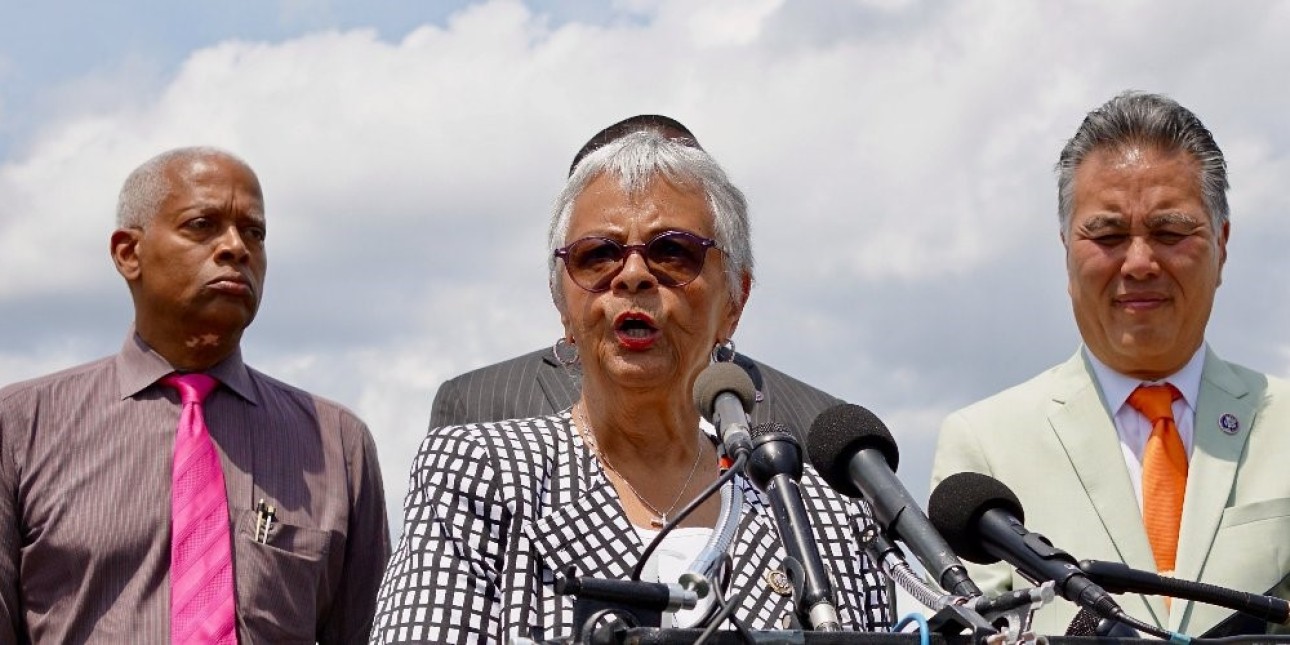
635 331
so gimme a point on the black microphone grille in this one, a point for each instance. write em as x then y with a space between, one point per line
722 377
770 428
837 434
1083 624
775 451
957 505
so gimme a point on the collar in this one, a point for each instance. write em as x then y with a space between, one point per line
139 366
1117 387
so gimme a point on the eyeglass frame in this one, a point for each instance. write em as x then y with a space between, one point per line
627 250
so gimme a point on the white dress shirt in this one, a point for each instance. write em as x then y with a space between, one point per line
1132 427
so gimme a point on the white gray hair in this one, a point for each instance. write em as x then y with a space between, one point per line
1138 118
148 185
638 158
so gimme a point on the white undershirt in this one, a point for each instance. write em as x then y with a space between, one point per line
1132 427
671 559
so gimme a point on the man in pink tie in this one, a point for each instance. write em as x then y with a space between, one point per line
170 493
1145 447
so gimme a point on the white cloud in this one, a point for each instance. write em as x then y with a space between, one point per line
897 158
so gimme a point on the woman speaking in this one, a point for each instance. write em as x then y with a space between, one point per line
650 267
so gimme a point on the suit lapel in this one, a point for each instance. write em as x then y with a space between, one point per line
1087 433
1212 467
557 384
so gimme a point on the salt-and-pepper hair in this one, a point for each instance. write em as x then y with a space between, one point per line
149 185
639 158
1141 119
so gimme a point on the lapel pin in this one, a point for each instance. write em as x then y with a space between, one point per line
1229 423
778 582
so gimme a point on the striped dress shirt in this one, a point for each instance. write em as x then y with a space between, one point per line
85 467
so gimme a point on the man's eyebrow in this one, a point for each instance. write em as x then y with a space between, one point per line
1173 217
1100 222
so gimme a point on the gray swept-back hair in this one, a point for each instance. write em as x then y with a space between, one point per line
1138 118
637 159
149 185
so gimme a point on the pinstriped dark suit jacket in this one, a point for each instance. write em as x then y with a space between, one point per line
535 385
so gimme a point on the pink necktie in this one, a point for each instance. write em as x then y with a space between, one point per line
201 562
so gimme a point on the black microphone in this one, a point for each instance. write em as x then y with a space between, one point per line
854 452
1118 577
982 519
1086 624
655 596
775 468
724 395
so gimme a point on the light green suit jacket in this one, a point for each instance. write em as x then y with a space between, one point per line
1052 441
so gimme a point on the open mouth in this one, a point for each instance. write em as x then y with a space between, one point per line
634 327
635 330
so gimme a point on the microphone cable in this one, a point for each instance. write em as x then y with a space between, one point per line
924 630
1146 628
711 490
725 608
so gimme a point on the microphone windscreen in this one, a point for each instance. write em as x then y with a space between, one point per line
957 504
722 377
837 434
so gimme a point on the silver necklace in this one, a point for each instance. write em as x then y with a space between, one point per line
584 429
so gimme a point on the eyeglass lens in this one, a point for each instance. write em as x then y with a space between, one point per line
674 257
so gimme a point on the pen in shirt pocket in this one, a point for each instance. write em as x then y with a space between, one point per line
264 516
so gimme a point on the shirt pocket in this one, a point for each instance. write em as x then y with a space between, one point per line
279 581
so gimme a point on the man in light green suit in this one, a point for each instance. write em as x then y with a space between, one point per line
1144 222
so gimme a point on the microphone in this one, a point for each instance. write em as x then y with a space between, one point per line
775 468
1118 577
982 519
854 452
724 395
653 596
1086 624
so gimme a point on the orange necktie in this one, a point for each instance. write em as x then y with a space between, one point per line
1164 472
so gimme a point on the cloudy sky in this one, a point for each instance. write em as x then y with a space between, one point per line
897 157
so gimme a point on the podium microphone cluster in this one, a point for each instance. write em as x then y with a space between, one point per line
855 453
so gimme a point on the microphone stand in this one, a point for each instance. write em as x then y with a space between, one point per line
954 614
632 602
1004 618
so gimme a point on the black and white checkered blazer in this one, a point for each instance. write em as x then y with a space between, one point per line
494 510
